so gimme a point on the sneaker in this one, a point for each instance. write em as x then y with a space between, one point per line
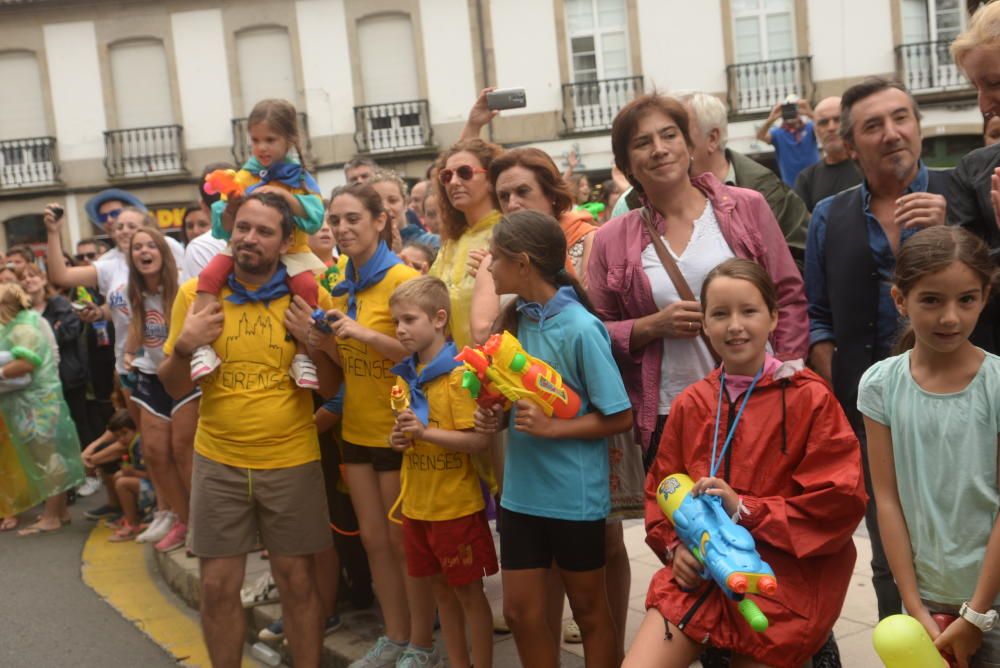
90 486
383 654
203 362
331 624
103 511
126 532
260 592
303 372
273 632
416 657
174 539
571 633
163 520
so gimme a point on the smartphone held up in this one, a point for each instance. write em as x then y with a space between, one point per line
506 98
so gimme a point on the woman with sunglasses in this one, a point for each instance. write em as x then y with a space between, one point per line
468 211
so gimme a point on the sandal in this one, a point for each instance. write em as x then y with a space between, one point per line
125 532
37 530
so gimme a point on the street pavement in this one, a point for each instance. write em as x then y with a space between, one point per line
49 617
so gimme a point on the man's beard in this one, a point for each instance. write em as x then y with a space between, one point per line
252 262
901 165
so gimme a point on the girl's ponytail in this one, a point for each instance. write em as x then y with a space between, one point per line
563 277
540 237
905 341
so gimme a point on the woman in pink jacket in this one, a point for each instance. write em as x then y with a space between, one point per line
655 334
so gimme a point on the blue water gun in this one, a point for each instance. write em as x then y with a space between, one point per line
725 549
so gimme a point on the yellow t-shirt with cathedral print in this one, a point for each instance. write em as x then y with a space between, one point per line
252 415
368 416
441 484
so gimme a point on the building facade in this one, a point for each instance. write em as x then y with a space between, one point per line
142 94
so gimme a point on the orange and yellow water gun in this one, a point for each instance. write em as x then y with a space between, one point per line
500 370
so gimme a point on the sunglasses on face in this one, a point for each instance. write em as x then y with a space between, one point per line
85 256
465 172
109 215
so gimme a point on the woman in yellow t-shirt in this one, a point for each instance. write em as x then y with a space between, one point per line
468 210
364 344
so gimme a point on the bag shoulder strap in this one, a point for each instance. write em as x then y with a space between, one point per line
674 272
667 260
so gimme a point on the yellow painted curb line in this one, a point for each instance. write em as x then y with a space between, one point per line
119 574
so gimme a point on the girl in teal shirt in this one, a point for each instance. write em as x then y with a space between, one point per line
555 495
932 415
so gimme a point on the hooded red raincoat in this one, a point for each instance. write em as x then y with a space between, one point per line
797 465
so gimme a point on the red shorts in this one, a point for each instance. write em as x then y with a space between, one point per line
461 550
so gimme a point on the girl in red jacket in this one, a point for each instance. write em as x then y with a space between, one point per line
770 439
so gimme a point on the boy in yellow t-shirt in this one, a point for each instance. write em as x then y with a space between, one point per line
446 538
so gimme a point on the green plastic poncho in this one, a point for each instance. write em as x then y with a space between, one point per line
40 449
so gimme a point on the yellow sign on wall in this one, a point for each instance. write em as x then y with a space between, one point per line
168 216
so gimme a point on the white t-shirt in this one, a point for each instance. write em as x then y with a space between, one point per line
198 253
120 316
154 335
112 282
685 361
112 268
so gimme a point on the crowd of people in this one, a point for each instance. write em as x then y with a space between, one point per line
287 380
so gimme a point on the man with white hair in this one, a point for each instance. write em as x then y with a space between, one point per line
836 172
709 133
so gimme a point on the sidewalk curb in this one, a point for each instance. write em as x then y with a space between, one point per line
349 643
122 574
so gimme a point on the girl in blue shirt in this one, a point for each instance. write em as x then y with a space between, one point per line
555 496
932 417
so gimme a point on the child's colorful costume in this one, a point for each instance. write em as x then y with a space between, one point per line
796 463
40 450
300 262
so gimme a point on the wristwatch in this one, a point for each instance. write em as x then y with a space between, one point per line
982 621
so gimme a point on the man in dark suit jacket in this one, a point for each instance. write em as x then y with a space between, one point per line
851 256
971 207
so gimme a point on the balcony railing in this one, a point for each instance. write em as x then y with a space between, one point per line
756 87
28 162
137 152
241 138
393 126
927 67
593 105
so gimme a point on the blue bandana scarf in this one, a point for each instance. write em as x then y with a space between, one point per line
275 288
286 172
369 274
443 363
563 297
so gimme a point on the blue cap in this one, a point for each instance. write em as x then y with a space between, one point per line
95 202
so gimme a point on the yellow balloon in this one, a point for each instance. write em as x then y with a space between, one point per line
902 642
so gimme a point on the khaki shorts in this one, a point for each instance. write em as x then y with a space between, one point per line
230 505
